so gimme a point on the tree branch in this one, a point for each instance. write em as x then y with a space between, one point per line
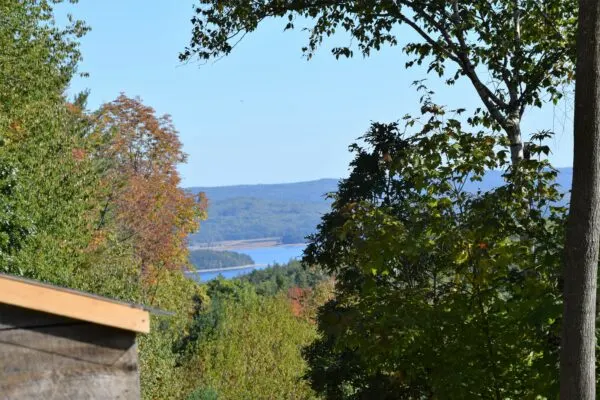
461 56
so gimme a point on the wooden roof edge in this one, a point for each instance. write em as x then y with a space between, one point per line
35 295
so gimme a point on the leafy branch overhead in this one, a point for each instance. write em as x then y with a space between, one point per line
514 52
443 290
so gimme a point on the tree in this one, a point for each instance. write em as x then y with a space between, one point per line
246 346
141 179
37 61
162 375
525 46
578 360
442 291
50 184
55 178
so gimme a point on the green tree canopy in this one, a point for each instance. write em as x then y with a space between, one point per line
246 346
513 52
440 293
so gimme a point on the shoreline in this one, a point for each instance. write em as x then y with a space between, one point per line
201 271
243 244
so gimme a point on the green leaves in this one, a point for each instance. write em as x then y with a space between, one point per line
514 53
248 346
452 291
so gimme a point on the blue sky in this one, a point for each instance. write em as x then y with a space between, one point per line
263 114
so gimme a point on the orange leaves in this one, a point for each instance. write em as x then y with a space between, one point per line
305 302
149 206
141 142
78 154
15 126
298 298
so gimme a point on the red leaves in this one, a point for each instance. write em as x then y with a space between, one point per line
298 299
150 208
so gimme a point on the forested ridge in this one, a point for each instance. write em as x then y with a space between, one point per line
251 218
436 269
209 259
288 211
291 211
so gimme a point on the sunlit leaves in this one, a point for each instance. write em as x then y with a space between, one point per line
142 181
443 290
247 346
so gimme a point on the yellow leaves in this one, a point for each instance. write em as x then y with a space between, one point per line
462 257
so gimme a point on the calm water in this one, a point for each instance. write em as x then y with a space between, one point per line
260 255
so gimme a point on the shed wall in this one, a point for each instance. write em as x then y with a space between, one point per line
51 357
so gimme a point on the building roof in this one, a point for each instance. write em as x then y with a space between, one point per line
74 304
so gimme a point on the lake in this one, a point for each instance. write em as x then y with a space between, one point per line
260 255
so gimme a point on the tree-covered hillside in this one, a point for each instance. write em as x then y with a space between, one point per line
252 218
298 192
289 211
208 259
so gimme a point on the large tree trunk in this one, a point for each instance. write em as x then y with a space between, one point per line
577 361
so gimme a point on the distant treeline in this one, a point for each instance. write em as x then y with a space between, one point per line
252 218
281 277
297 192
209 259
289 211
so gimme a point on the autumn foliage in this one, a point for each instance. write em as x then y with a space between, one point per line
298 298
142 183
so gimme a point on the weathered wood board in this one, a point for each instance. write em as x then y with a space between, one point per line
43 356
70 303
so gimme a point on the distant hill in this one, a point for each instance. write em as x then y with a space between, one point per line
299 192
289 211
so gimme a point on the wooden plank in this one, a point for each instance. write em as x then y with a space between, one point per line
65 359
71 304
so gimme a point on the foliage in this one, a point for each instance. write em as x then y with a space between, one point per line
36 62
208 259
296 192
512 51
161 376
50 185
63 178
279 278
142 182
440 293
246 346
38 58
143 208
233 215
203 394
289 212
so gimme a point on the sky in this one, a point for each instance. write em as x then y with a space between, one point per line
263 114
